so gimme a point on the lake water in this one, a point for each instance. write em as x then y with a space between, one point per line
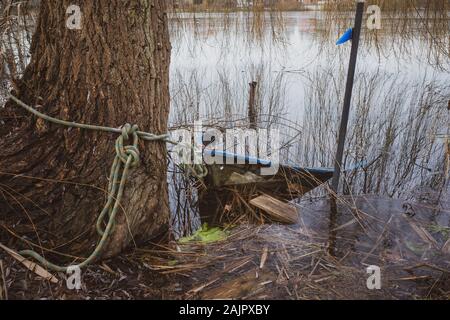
214 51
399 106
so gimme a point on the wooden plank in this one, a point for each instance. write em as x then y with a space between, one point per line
277 210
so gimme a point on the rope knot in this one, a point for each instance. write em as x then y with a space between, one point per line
129 130
124 152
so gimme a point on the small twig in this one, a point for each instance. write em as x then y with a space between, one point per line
198 289
433 286
412 278
430 266
4 290
264 257
377 243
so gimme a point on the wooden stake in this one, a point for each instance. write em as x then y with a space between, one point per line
252 112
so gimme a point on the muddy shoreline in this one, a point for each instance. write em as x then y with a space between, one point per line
316 259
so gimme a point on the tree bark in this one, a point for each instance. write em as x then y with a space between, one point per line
113 71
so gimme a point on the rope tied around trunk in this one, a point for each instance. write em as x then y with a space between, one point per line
127 157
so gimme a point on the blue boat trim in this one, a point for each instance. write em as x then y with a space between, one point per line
254 160
236 157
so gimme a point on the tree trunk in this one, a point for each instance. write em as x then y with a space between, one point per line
113 71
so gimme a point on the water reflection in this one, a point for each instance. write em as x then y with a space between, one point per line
303 43
374 230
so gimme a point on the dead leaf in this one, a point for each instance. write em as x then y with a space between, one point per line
30 265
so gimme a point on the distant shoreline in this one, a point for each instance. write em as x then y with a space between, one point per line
217 10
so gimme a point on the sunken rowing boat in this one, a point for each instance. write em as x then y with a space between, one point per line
238 185
286 182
